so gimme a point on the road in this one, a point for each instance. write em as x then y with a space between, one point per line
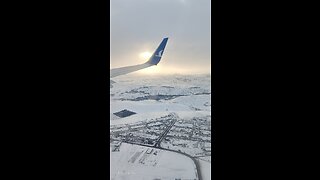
163 135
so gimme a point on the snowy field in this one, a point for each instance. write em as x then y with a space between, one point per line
205 169
151 97
134 162
188 97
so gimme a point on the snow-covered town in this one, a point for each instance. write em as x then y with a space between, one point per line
170 119
191 136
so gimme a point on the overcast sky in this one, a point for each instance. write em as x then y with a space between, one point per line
138 26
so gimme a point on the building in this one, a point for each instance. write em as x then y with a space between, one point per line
149 151
115 145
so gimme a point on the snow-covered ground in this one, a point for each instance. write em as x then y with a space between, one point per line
205 169
188 97
158 96
133 162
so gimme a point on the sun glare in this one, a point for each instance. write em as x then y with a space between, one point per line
145 55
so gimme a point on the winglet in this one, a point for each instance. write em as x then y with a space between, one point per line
156 56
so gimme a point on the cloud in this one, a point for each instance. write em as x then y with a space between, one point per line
140 25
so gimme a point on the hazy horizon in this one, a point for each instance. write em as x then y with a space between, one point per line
137 27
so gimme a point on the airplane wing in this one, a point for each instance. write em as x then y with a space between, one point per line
154 60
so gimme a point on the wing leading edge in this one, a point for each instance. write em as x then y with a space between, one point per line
154 60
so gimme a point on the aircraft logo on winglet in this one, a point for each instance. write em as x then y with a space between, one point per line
160 54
